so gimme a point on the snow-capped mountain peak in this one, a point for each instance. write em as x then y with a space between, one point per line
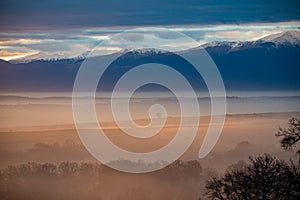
287 37
47 57
284 39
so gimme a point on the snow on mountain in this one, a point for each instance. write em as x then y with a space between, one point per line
46 57
61 57
270 63
285 38
222 43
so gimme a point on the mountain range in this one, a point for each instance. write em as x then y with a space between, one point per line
269 63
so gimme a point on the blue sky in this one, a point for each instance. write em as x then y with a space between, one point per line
68 28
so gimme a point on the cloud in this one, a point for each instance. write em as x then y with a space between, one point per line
7 55
130 37
70 43
236 32
238 35
10 52
180 45
104 50
21 41
49 15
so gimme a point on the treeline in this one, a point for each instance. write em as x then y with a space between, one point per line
43 152
72 180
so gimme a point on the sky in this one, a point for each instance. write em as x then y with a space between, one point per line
70 28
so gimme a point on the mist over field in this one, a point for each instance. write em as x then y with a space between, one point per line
41 153
152 100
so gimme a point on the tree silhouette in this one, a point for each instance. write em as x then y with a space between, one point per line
290 136
265 177
74 180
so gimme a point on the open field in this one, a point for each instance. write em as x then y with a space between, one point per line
243 135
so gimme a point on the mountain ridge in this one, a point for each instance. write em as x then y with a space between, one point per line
252 66
283 39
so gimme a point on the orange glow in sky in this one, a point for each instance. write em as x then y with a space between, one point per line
7 55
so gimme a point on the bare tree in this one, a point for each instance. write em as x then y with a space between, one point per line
290 136
265 177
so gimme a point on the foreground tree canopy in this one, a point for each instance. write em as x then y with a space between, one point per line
264 177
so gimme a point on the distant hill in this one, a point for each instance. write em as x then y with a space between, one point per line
270 63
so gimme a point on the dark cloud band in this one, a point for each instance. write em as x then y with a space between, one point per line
49 15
